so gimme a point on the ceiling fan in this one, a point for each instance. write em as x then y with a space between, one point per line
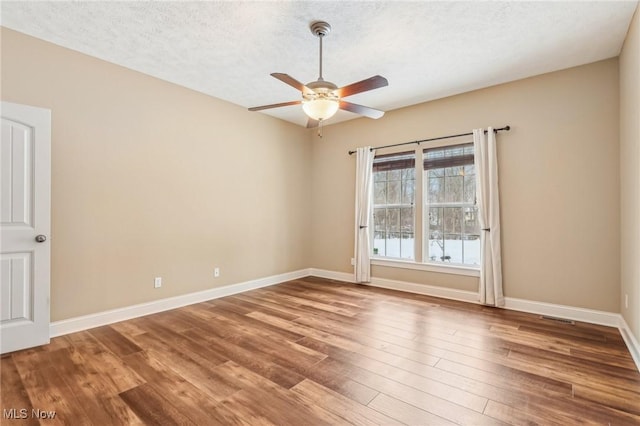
321 99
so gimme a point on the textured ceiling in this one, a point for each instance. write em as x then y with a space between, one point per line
427 50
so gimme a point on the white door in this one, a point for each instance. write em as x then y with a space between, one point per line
25 222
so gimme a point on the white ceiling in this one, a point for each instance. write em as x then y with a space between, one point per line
427 50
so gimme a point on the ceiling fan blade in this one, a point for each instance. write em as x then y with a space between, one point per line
362 110
312 123
370 83
259 108
287 79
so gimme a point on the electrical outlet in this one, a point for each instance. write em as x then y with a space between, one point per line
353 261
157 282
216 272
626 301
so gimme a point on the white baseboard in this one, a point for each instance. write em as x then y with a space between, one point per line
332 275
72 325
428 290
630 340
591 316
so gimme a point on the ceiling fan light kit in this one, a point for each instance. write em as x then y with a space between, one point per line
322 102
320 108
321 99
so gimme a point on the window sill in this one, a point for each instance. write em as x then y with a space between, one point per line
443 269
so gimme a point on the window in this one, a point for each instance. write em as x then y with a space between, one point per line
394 205
451 220
449 234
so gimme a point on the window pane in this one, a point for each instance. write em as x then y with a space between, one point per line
379 193
436 234
435 219
452 231
471 224
394 174
470 189
408 191
453 188
436 172
394 188
436 190
470 170
452 248
407 246
406 219
452 220
380 219
393 244
379 243
394 191
472 250
393 220
408 174
435 246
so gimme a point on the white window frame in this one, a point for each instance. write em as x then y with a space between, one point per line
425 217
399 206
421 210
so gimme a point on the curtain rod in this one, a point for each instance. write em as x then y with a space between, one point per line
506 128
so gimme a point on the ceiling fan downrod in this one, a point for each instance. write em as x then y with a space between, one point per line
320 29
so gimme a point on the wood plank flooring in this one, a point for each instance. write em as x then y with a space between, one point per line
318 352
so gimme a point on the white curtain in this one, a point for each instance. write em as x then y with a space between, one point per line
364 185
486 165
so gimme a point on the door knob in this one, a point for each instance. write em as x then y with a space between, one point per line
41 238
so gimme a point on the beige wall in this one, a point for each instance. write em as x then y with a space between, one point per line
151 179
630 174
559 183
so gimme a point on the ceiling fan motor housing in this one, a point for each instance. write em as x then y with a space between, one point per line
321 90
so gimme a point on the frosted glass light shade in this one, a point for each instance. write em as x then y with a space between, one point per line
320 109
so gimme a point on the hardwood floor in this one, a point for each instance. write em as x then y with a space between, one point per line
315 352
